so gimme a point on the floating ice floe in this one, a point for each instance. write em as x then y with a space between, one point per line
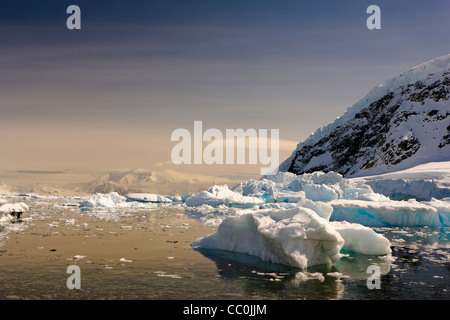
296 237
14 207
110 200
113 200
308 219
147 197
329 194
222 195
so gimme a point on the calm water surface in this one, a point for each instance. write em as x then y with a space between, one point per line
146 255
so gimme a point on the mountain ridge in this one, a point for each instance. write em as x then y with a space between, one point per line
398 124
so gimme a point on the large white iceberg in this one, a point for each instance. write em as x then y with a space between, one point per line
296 237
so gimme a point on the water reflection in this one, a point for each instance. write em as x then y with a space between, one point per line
275 281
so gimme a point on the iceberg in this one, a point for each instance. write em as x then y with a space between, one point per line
289 187
110 200
296 237
222 195
353 200
409 213
320 192
14 207
147 197
361 239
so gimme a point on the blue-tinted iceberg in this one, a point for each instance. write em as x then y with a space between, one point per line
411 213
353 200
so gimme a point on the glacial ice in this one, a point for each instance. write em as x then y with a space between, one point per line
109 200
309 219
328 194
361 239
421 182
13 207
222 195
295 220
294 237
147 197
410 213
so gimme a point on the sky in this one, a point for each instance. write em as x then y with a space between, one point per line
110 95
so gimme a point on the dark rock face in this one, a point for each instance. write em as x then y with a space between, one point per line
410 120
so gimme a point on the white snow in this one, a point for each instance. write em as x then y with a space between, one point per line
425 181
423 123
410 76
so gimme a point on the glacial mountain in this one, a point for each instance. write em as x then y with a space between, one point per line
397 125
164 181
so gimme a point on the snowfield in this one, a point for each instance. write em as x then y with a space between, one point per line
421 182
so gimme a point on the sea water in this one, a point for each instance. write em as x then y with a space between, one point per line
146 254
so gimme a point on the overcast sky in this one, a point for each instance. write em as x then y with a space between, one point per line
109 95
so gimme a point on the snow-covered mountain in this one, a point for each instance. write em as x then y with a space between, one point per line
397 125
